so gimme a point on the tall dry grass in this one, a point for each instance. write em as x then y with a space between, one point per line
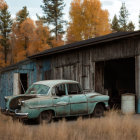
111 127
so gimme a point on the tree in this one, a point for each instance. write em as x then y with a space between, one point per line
53 15
41 38
122 24
32 38
2 63
20 39
123 17
115 24
22 15
5 29
130 26
87 20
2 4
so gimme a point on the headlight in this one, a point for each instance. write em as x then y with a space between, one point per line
23 103
20 102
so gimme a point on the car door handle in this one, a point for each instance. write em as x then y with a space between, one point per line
62 103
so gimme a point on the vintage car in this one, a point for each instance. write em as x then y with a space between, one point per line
45 100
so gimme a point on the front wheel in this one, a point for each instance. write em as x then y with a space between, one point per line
45 117
98 111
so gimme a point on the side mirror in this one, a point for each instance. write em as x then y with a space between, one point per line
53 92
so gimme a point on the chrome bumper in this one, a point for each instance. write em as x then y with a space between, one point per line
20 115
15 114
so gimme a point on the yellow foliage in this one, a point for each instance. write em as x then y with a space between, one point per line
58 42
3 4
27 28
2 60
29 38
87 20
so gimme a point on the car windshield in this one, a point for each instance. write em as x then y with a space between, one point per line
37 89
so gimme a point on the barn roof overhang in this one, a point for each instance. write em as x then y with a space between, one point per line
85 43
76 45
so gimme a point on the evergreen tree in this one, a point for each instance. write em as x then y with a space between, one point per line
5 29
130 26
123 18
115 24
53 15
22 15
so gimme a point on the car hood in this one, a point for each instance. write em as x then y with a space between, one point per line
12 102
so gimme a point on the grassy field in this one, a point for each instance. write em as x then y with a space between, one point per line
111 127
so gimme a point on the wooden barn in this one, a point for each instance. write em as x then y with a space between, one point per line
108 64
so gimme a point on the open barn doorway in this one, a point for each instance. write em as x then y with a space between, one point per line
115 77
20 83
23 82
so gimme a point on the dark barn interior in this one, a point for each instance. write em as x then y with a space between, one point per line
23 82
118 77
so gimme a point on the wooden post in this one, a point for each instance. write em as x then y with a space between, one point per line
137 81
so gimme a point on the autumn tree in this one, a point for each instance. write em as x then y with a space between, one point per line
2 62
53 16
19 40
41 38
130 26
33 38
87 20
28 37
5 28
115 24
22 15
2 4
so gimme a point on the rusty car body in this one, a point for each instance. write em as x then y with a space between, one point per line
45 100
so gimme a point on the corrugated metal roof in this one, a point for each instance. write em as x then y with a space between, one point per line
84 43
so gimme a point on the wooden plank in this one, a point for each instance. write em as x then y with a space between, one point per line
16 84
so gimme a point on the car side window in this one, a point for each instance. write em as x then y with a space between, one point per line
60 90
73 89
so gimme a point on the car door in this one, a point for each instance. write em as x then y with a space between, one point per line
78 100
61 101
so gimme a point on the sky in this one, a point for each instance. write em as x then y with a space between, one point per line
113 6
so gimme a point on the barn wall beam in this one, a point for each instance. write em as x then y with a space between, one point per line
137 81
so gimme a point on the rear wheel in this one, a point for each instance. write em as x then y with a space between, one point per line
98 111
45 117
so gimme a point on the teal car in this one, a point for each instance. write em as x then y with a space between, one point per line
45 100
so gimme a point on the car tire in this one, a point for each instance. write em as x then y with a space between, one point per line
45 117
98 111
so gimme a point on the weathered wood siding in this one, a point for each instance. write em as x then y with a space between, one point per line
76 65
116 50
35 71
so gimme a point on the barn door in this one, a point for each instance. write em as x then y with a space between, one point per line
85 77
99 77
16 84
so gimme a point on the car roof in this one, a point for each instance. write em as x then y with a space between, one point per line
52 83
